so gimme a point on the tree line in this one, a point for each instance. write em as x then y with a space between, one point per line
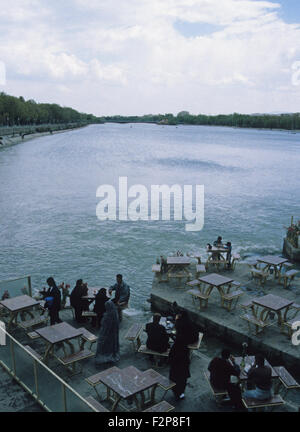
265 121
15 111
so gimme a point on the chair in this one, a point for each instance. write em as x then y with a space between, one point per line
287 277
202 293
227 299
133 335
260 322
217 393
251 403
289 321
286 380
200 268
260 275
235 258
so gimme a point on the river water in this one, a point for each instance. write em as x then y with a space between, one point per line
48 199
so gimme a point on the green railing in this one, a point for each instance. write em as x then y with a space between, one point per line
16 287
48 389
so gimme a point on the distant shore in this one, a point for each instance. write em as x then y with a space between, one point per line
10 140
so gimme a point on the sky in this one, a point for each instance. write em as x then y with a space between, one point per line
135 57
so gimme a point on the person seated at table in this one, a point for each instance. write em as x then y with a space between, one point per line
218 242
99 307
221 370
260 375
65 293
179 360
158 339
53 301
185 328
5 295
122 294
77 302
108 348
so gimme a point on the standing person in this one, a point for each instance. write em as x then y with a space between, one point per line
179 360
185 328
108 348
122 294
54 302
99 307
76 302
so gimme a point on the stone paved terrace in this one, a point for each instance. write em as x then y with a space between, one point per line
228 326
198 395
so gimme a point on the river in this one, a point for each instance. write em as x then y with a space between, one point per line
48 199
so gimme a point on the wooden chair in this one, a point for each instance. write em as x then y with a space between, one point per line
95 404
33 335
200 268
217 393
162 406
229 298
33 352
260 322
156 268
235 259
87 336
287 277
195 345
290 317
260 275
133 335
286 380
251 403
73 359
29 324
202 293
156 355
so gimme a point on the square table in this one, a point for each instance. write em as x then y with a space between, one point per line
215 280
273 261
18 304
128 383
180 263
212 280
271 302
58 333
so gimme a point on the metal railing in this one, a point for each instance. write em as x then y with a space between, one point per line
47 388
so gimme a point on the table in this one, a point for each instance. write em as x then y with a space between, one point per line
273 303
126 384
273 261
93 291
215 255
58 333
17 305
211 280
178 263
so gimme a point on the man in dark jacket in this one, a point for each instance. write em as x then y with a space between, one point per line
221 369
158 339
54 302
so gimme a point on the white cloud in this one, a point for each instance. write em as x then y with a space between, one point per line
132 56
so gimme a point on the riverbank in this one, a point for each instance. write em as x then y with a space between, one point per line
10 140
